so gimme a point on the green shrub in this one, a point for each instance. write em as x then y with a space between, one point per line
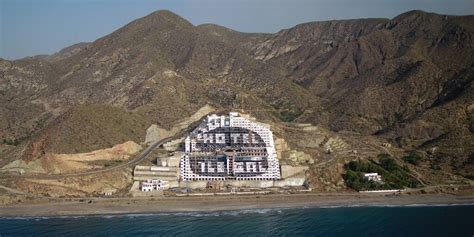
388 163
393 175
412 158
11 142
288 116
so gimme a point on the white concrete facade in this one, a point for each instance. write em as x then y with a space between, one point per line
373 177
153 184
255 159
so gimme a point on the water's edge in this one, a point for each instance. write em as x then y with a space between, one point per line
336 220
232 212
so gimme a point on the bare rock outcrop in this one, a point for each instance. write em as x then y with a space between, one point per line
68 163
155 133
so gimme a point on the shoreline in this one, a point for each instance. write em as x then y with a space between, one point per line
127 206
219 212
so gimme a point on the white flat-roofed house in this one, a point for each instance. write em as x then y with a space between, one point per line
373 177
109 191
146 187
154 184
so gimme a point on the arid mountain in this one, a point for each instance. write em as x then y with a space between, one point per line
408 80
67 52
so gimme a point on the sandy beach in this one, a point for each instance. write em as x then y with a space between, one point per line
110 206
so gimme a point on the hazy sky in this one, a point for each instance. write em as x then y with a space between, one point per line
32 27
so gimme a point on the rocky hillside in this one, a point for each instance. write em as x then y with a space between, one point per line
407 79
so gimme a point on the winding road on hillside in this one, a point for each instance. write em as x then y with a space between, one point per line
139 158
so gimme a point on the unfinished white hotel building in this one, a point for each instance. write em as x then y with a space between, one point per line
232 147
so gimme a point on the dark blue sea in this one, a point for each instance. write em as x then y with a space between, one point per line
335 221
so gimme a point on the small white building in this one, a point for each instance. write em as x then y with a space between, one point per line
373 177
109 191
153 184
